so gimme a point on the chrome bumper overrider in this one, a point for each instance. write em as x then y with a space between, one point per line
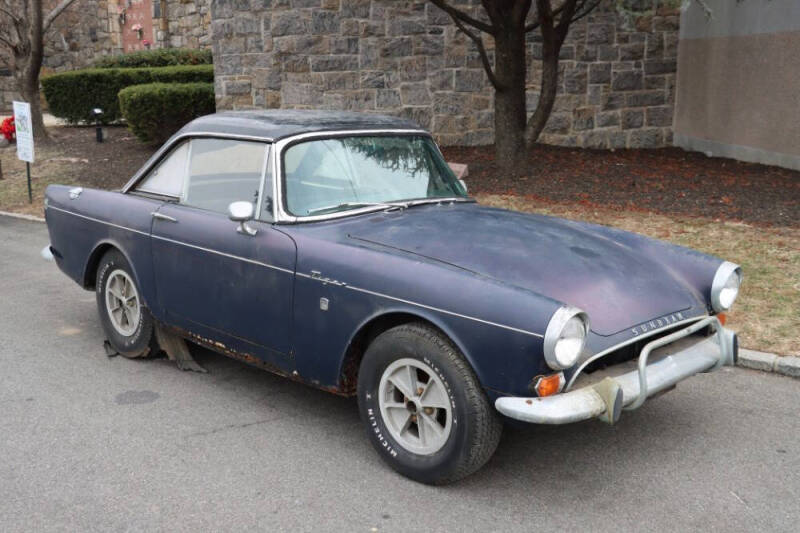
606 399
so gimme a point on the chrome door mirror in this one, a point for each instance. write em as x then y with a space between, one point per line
241 212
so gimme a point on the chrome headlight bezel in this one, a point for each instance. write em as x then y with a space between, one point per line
727 273
554 334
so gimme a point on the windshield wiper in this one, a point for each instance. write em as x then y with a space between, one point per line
442 200
387 205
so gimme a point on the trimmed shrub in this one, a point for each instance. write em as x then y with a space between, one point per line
72 95
155 111
162 57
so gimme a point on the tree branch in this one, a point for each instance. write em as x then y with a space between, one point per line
10 15
580 14
48 20
487 65
535 24
8 43
457 15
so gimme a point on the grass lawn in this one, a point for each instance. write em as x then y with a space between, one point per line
766 313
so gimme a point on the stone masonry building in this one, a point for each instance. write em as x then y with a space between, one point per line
90 29
406 57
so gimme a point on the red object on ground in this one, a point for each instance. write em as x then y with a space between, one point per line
8 129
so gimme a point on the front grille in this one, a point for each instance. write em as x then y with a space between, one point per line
632 351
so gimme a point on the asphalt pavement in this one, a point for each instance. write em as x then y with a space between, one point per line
91 443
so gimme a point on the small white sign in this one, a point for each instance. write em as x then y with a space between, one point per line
22 123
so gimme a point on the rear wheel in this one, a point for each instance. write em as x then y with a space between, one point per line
126 321
424 409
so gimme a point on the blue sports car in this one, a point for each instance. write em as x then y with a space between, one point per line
339 250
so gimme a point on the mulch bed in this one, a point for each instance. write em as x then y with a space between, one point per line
110 163
668 180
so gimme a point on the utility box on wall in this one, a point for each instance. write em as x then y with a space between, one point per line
739 79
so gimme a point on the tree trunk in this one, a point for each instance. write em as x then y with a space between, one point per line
510 110
29 84
547 94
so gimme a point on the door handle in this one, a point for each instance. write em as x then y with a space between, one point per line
159 216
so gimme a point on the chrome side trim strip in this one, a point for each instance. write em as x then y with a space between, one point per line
246 260
424 306
231 256
98 220
626 343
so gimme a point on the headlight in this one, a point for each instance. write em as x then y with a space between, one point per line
725 287
565 337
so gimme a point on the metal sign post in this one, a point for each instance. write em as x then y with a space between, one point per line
24 132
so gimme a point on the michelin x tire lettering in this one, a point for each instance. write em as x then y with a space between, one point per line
469 426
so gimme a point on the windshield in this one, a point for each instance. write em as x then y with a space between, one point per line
339 174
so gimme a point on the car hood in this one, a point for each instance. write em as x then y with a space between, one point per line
617 285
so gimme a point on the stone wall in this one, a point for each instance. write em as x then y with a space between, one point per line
90 29
78 36
184 24
405 57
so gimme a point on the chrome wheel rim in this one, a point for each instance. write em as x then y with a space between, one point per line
415 406
122 303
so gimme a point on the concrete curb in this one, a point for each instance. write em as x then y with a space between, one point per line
21 216
769 362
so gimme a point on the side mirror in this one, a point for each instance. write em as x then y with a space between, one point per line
241 212
463 184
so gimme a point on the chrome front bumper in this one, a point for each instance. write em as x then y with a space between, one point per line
606 399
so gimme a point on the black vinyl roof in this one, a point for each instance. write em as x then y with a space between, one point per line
276 124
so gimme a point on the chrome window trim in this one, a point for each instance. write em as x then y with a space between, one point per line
260 204
156 158
626 343
281 215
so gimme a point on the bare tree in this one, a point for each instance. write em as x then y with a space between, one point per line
507 22
23 24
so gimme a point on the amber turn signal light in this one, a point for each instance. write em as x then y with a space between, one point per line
549 385
722 317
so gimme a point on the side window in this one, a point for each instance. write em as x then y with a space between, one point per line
222 171
167 177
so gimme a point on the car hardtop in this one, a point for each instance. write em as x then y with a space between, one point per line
279 124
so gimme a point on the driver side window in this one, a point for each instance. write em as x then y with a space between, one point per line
166 178
210 173
222 171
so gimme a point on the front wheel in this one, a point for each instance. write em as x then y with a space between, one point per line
424 409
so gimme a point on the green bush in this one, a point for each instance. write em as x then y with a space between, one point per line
72 95
155 111
162 57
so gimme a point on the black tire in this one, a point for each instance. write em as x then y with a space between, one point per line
140 343
476 427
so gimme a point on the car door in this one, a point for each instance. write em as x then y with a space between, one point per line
227 286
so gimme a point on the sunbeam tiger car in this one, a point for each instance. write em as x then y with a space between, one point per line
339 249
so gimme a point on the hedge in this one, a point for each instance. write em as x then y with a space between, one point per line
72 95
162 57
155 111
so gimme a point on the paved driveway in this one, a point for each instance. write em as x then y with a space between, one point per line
92 443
